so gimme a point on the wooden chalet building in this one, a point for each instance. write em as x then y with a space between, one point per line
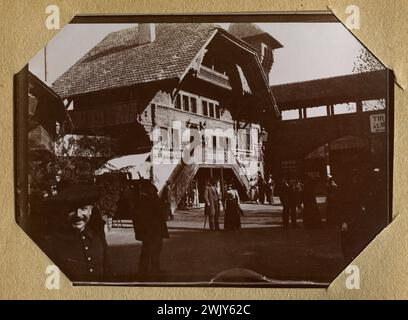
146 85
41 117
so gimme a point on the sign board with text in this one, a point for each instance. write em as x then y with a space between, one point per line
377 123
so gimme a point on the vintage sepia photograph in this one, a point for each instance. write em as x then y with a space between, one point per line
196 152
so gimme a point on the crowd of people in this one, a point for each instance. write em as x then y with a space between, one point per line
261 190
76 235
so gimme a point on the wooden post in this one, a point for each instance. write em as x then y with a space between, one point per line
222 182
330 110
359 106
21 142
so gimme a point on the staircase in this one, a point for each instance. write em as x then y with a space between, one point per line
183 174
181 178
239 169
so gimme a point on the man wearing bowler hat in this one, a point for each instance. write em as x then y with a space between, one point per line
76 240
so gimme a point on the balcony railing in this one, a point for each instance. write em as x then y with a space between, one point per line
200 155
214 77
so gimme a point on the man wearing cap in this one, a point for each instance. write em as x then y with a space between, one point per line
76 242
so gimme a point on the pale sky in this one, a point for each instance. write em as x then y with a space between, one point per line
311 50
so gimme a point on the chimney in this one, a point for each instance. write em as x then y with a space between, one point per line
146 33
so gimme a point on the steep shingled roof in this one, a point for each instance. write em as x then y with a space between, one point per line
119 61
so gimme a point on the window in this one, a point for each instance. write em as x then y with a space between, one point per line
227 143
205 108
244 139
211 107
177 103
163 138
248 140
186 103
217 111
193 104
175 139
266 56
214 142
264 49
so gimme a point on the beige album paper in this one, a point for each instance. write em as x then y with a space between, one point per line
203 150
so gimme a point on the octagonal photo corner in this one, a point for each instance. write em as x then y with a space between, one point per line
251 151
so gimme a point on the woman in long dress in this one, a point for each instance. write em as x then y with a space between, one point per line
232 219
253 190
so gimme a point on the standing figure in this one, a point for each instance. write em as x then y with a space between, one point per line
165 196
252 190
352 219
270 188
76 239
232 219
149 224
299 197
261 188
212 204
311 214
332 200
292 202
286 196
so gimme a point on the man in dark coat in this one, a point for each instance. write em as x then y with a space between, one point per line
75 240
212 204
167 200
261 188
351 219
287 198
149 224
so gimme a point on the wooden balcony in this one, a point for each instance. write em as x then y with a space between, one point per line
205 156
214 77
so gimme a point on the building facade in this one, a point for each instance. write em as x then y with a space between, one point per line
194 97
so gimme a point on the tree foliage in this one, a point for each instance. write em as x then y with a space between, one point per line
75 160
366 62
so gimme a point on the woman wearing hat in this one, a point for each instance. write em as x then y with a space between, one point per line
232 220
75 241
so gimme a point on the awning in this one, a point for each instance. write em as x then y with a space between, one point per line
137 164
